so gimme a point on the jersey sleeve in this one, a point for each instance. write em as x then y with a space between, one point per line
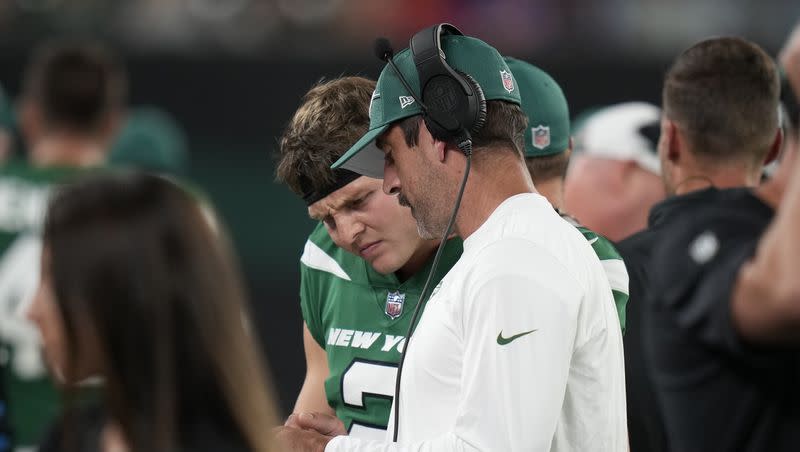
699 265
311 302
517 352
616 272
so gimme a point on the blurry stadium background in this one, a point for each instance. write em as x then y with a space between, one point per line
231 72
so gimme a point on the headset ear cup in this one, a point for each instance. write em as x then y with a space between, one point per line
436 131
480 115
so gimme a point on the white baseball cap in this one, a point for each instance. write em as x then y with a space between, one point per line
627 131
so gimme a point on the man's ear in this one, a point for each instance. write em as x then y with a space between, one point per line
775 149
440 148
674 145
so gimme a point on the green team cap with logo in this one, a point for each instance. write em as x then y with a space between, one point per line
546 108
391 102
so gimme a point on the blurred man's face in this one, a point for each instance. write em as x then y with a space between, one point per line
410 174
364 221
611 197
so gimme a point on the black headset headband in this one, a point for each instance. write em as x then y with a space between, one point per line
451 99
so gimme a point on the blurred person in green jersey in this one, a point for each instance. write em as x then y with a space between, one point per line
71 105
548 148
363 267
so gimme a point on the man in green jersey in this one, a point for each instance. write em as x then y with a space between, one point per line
71 104
362 268
548 147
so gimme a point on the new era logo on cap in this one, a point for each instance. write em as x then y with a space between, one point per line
405 101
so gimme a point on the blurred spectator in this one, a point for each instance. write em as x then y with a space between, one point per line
71 104
613 180
548 148
151 140
720 125
138 288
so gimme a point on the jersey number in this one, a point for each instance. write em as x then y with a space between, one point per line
368 379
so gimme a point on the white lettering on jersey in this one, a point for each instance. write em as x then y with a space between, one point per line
22 205
333 334
391 341
341 337
344 338
19 276
364 339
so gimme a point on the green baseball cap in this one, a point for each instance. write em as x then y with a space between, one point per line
391 102
151 139
546 108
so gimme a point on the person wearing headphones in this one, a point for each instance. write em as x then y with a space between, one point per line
519 347
363 266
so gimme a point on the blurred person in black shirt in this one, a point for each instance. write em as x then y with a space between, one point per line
724 330
719 127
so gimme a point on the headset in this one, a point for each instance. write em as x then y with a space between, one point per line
452 102
453 107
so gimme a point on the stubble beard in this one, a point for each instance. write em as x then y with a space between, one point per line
429 227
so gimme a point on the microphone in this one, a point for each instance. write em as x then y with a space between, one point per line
384 52
383 49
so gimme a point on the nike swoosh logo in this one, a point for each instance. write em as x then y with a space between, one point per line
591 242
507 340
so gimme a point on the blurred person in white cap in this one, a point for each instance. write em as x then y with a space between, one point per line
614 177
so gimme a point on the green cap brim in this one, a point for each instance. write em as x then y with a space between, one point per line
364 157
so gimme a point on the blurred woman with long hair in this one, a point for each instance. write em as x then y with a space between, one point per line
139 288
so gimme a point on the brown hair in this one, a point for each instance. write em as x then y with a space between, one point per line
134 260
548 167
77 85
723 93
504 128
331 118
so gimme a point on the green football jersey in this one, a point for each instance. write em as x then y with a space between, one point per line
614 267
32 398
360 318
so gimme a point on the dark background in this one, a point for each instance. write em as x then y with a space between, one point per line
234 79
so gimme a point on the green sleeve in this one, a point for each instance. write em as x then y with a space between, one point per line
621 300
310 304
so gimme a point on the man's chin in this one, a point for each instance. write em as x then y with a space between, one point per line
383 268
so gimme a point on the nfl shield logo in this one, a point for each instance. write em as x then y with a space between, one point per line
541 136
394 304
508 82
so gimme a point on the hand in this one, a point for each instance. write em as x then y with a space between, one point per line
322 423
289 439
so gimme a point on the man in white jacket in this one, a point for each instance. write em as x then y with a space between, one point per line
519 347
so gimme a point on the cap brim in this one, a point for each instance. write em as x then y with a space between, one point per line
364 157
